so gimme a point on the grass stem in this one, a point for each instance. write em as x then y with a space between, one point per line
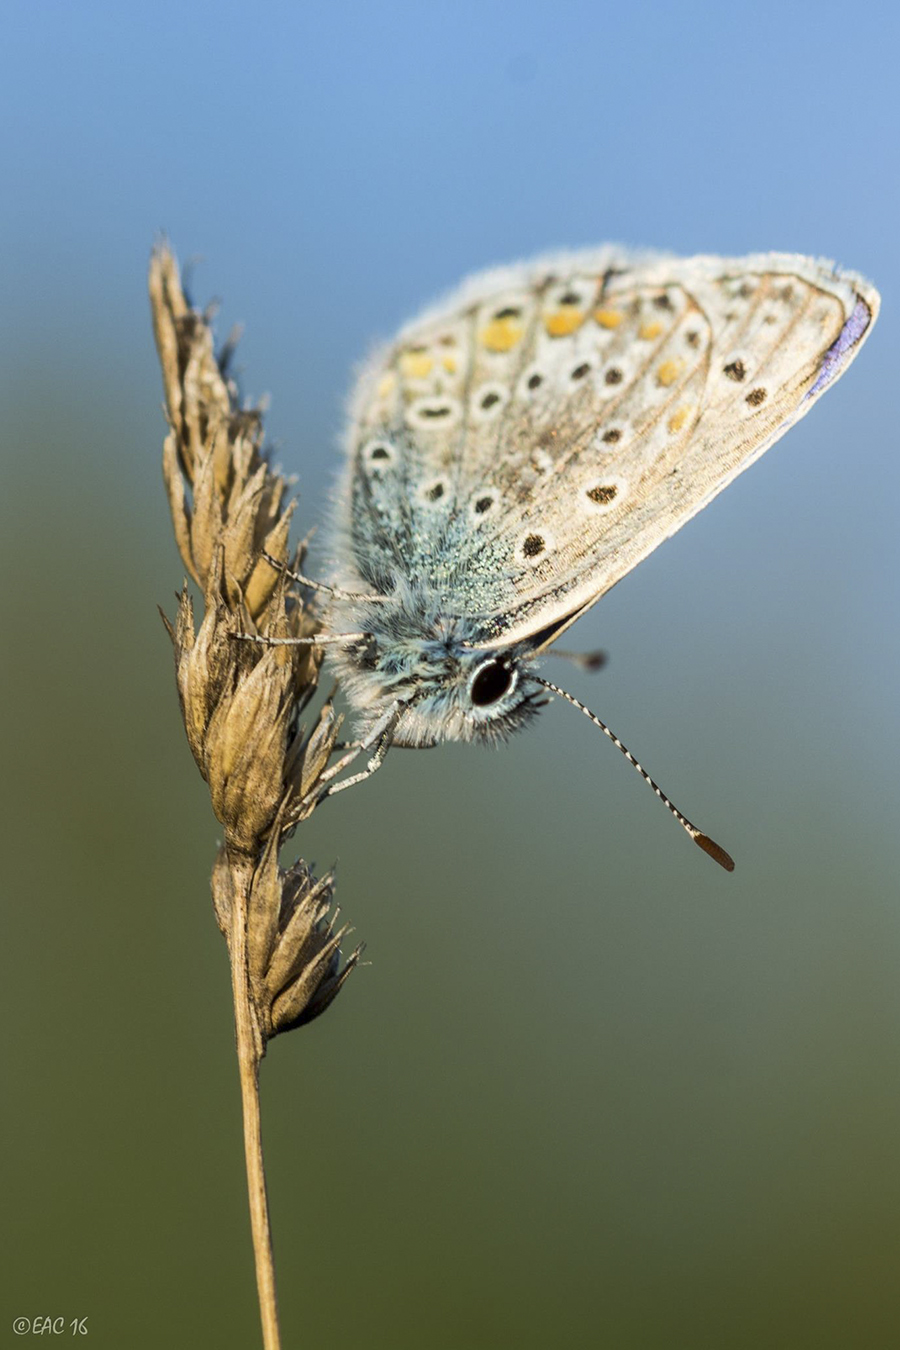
249 1055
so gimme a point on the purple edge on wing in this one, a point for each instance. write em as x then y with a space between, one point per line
847 339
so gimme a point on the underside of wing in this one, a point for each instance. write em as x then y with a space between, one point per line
522 447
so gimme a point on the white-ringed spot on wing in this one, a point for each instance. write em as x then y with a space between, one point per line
483 504
532 546
433 414
602 493
739 288
580 371
435 491
611 438
735 369
488 400
532 383
572 294
378 454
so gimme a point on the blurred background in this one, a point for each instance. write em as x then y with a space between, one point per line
591 1091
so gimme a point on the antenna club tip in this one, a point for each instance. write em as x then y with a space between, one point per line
714 850
595 660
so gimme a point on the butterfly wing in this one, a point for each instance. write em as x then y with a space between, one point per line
523 446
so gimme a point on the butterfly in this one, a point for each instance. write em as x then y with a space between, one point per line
523 444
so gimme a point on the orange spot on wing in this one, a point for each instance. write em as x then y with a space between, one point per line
608 318
678 419
669 372
500 335
649 331
562 322
416 365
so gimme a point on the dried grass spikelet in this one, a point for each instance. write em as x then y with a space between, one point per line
240 701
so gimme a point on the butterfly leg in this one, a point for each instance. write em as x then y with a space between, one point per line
340 746
374 764
378 741
333 591
318 640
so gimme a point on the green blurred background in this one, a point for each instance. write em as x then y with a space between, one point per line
591 1091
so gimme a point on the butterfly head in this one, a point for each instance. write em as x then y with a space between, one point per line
451 688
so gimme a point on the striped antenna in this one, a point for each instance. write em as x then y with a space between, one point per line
702 840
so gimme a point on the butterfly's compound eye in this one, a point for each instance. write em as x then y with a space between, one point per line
490 682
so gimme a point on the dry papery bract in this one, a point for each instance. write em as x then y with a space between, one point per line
240 700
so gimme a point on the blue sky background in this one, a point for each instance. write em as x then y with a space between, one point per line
591 1090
